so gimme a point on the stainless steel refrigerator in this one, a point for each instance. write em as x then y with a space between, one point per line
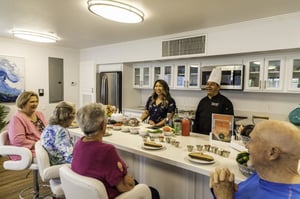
109 88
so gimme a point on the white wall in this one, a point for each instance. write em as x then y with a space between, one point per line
225 44
273 33
36 69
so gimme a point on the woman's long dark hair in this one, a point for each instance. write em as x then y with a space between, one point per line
166 92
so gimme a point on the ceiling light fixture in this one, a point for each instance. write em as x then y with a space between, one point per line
35 36
116 11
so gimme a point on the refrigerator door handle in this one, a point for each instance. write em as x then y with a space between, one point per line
104 90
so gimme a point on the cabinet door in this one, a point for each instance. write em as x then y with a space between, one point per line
180 76
293 74
146 77
168 74
157 73
254 74
193 76
137 79
273 76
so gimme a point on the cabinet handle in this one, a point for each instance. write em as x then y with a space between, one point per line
259 85
265 84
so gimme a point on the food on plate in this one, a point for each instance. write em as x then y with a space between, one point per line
167 129
117 124
154 131
131 122
152 144
201 156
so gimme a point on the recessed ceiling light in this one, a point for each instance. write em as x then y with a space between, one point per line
116 11
35 36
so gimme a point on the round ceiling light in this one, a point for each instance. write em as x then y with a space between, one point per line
35 36
116 11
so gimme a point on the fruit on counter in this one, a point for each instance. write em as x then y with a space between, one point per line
167 129
201 156
242 158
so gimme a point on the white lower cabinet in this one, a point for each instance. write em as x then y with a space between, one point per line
171 181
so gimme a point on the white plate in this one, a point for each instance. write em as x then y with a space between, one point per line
200 161
152 148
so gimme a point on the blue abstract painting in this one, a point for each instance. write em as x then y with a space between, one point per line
11 78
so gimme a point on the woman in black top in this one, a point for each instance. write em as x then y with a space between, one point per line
160 105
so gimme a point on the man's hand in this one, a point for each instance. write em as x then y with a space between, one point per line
222 183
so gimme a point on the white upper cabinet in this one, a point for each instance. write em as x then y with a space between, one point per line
141 77
293 74
264 74
164 72
187 76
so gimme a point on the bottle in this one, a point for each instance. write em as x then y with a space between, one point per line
177 123
185 125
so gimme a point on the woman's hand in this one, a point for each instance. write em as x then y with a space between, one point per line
222 183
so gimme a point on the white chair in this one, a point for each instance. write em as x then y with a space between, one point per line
77 186
24 163
47 172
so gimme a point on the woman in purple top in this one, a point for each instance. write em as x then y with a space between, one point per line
93 158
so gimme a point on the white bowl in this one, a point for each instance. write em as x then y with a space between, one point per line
125 128
168 133
134 130
143 132
155 134
117 128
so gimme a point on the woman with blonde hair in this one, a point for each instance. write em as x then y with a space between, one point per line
26 125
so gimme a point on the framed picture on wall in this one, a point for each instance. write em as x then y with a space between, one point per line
11 78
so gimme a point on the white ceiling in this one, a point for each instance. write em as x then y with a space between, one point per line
78 28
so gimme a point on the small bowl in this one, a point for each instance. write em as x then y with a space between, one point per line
190 148
168 133
246 170
134 130
125 129
116 128
225 153
199 147
143 132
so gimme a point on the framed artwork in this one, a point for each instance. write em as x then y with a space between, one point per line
11 78
222 127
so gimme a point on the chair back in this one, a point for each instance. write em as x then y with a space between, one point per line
6 150
4 138
42 159
77 186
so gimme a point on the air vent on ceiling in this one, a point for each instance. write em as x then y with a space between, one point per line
184 46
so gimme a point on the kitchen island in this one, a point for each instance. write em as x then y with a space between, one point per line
169 169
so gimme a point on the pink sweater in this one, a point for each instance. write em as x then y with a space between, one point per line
22 132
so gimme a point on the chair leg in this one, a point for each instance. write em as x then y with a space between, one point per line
33 190
36 187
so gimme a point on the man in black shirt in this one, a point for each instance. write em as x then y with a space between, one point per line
214 102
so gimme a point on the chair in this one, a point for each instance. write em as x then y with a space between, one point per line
47 172
26 162
77 186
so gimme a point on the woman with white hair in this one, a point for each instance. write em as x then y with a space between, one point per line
56 138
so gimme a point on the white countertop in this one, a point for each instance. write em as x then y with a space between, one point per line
176 156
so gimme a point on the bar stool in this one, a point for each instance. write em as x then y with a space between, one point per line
26 162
